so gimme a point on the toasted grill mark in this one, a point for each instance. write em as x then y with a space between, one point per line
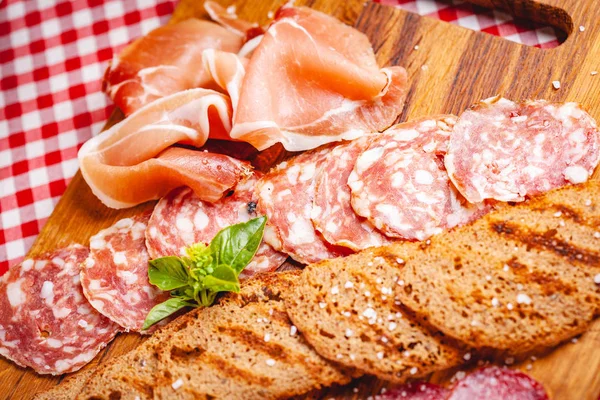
548 284
547 242
256 342
185 354
229 370
143 387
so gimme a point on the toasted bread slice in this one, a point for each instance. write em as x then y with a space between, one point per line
68 387
243 347
345 308
522 277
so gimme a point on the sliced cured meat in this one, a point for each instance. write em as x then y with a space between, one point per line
227 18
131 162
285 196
45 321
494 383
165 61
506 151
332 214
306 101
415 391
181 219
115 275
399 183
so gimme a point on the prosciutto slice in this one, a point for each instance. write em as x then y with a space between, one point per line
313 80
227 18
132 162
165 61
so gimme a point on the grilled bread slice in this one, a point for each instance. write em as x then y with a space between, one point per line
522 277
244 347
345 308
68 388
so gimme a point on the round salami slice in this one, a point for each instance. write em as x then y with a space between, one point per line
506 151
285 196
45 321
415 391
115 275
399 182
181 219
494 383
332 214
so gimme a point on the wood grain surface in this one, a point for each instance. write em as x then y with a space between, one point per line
451 68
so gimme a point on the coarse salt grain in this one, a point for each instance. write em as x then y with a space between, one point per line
495 302
401 282
581 28
509 306
417 47
348 333
367 293
460 375
529 367
335 290
322 305
267 337
588 202
556 84
270 362
597 279
413 370
348 285
399 261
593 73
505 268
558 214
522 298
177 384
392 326
467 356
597 235
370 313
380 355
574 340
293 330
488 277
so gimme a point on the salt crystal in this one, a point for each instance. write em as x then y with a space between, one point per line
594 73
348 285
267 337
574 340
495 302
417 47
413 370
348 333
293 330
505 268
460 375
380 355
597 235
270 362
488 278
322 305
392 326
581 28
558 214
177 384
588 202
467 356
529 367
522 298
556 84
597 279
509 306
335 290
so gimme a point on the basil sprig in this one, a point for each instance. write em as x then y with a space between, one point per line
195 279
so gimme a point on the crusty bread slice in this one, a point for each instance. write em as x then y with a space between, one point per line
244 347
345 308
68 387
522 277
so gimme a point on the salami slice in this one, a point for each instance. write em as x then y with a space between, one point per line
115 275
399 182
506 151
45 321
415 391
181 219
286 196
332 214
494 383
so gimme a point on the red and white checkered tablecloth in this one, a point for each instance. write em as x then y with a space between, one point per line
53 54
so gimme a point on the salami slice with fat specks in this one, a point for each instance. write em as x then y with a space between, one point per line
181 219
115 275
415 391
332 214
506 151
399 182
286 196
494 383
46 323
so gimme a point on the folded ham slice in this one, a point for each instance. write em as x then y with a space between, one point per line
132 162
165 61
314 80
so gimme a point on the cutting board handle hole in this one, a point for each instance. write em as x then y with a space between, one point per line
552 25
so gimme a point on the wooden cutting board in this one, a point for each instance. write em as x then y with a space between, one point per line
449 68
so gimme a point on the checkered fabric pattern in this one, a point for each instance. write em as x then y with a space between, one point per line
53 54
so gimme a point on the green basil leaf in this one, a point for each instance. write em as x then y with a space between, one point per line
223 279
168 273
236 245
164 309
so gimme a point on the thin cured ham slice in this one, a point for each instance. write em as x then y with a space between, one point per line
399 182
181 219
166 61
115 275
228 18
132 162
507 151
332 214
45 321
285 196
313 80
